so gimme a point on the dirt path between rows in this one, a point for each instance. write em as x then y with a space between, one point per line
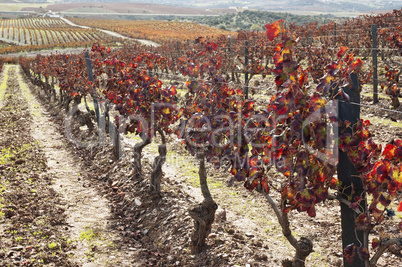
88 214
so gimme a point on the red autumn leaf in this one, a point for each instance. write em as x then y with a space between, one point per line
278 47
278 58
212 46
384 199
389 151
302 79
281 79
375 243
356 65
342 51
265 185
249 105
363 253
349 253
334 183
273 30
382 169
173 90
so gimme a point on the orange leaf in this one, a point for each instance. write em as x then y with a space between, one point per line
273 30
400 207
342 51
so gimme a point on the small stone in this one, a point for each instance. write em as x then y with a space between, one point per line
137 202
212 235
19 161
231 231
17 248
84 128
249 235
258 244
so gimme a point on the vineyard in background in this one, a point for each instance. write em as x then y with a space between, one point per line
198 87
158 31
44 33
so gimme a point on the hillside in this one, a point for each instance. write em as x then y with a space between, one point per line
246 19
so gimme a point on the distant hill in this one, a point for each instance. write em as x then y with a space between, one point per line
256 20
121 8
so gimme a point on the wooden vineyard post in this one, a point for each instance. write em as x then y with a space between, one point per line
231 57
375 64
246 69
348 174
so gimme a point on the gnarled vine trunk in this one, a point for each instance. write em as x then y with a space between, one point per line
156 175
203 213
82 117
303 246
138 156
395 102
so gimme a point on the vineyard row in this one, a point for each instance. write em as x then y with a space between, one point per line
218 124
